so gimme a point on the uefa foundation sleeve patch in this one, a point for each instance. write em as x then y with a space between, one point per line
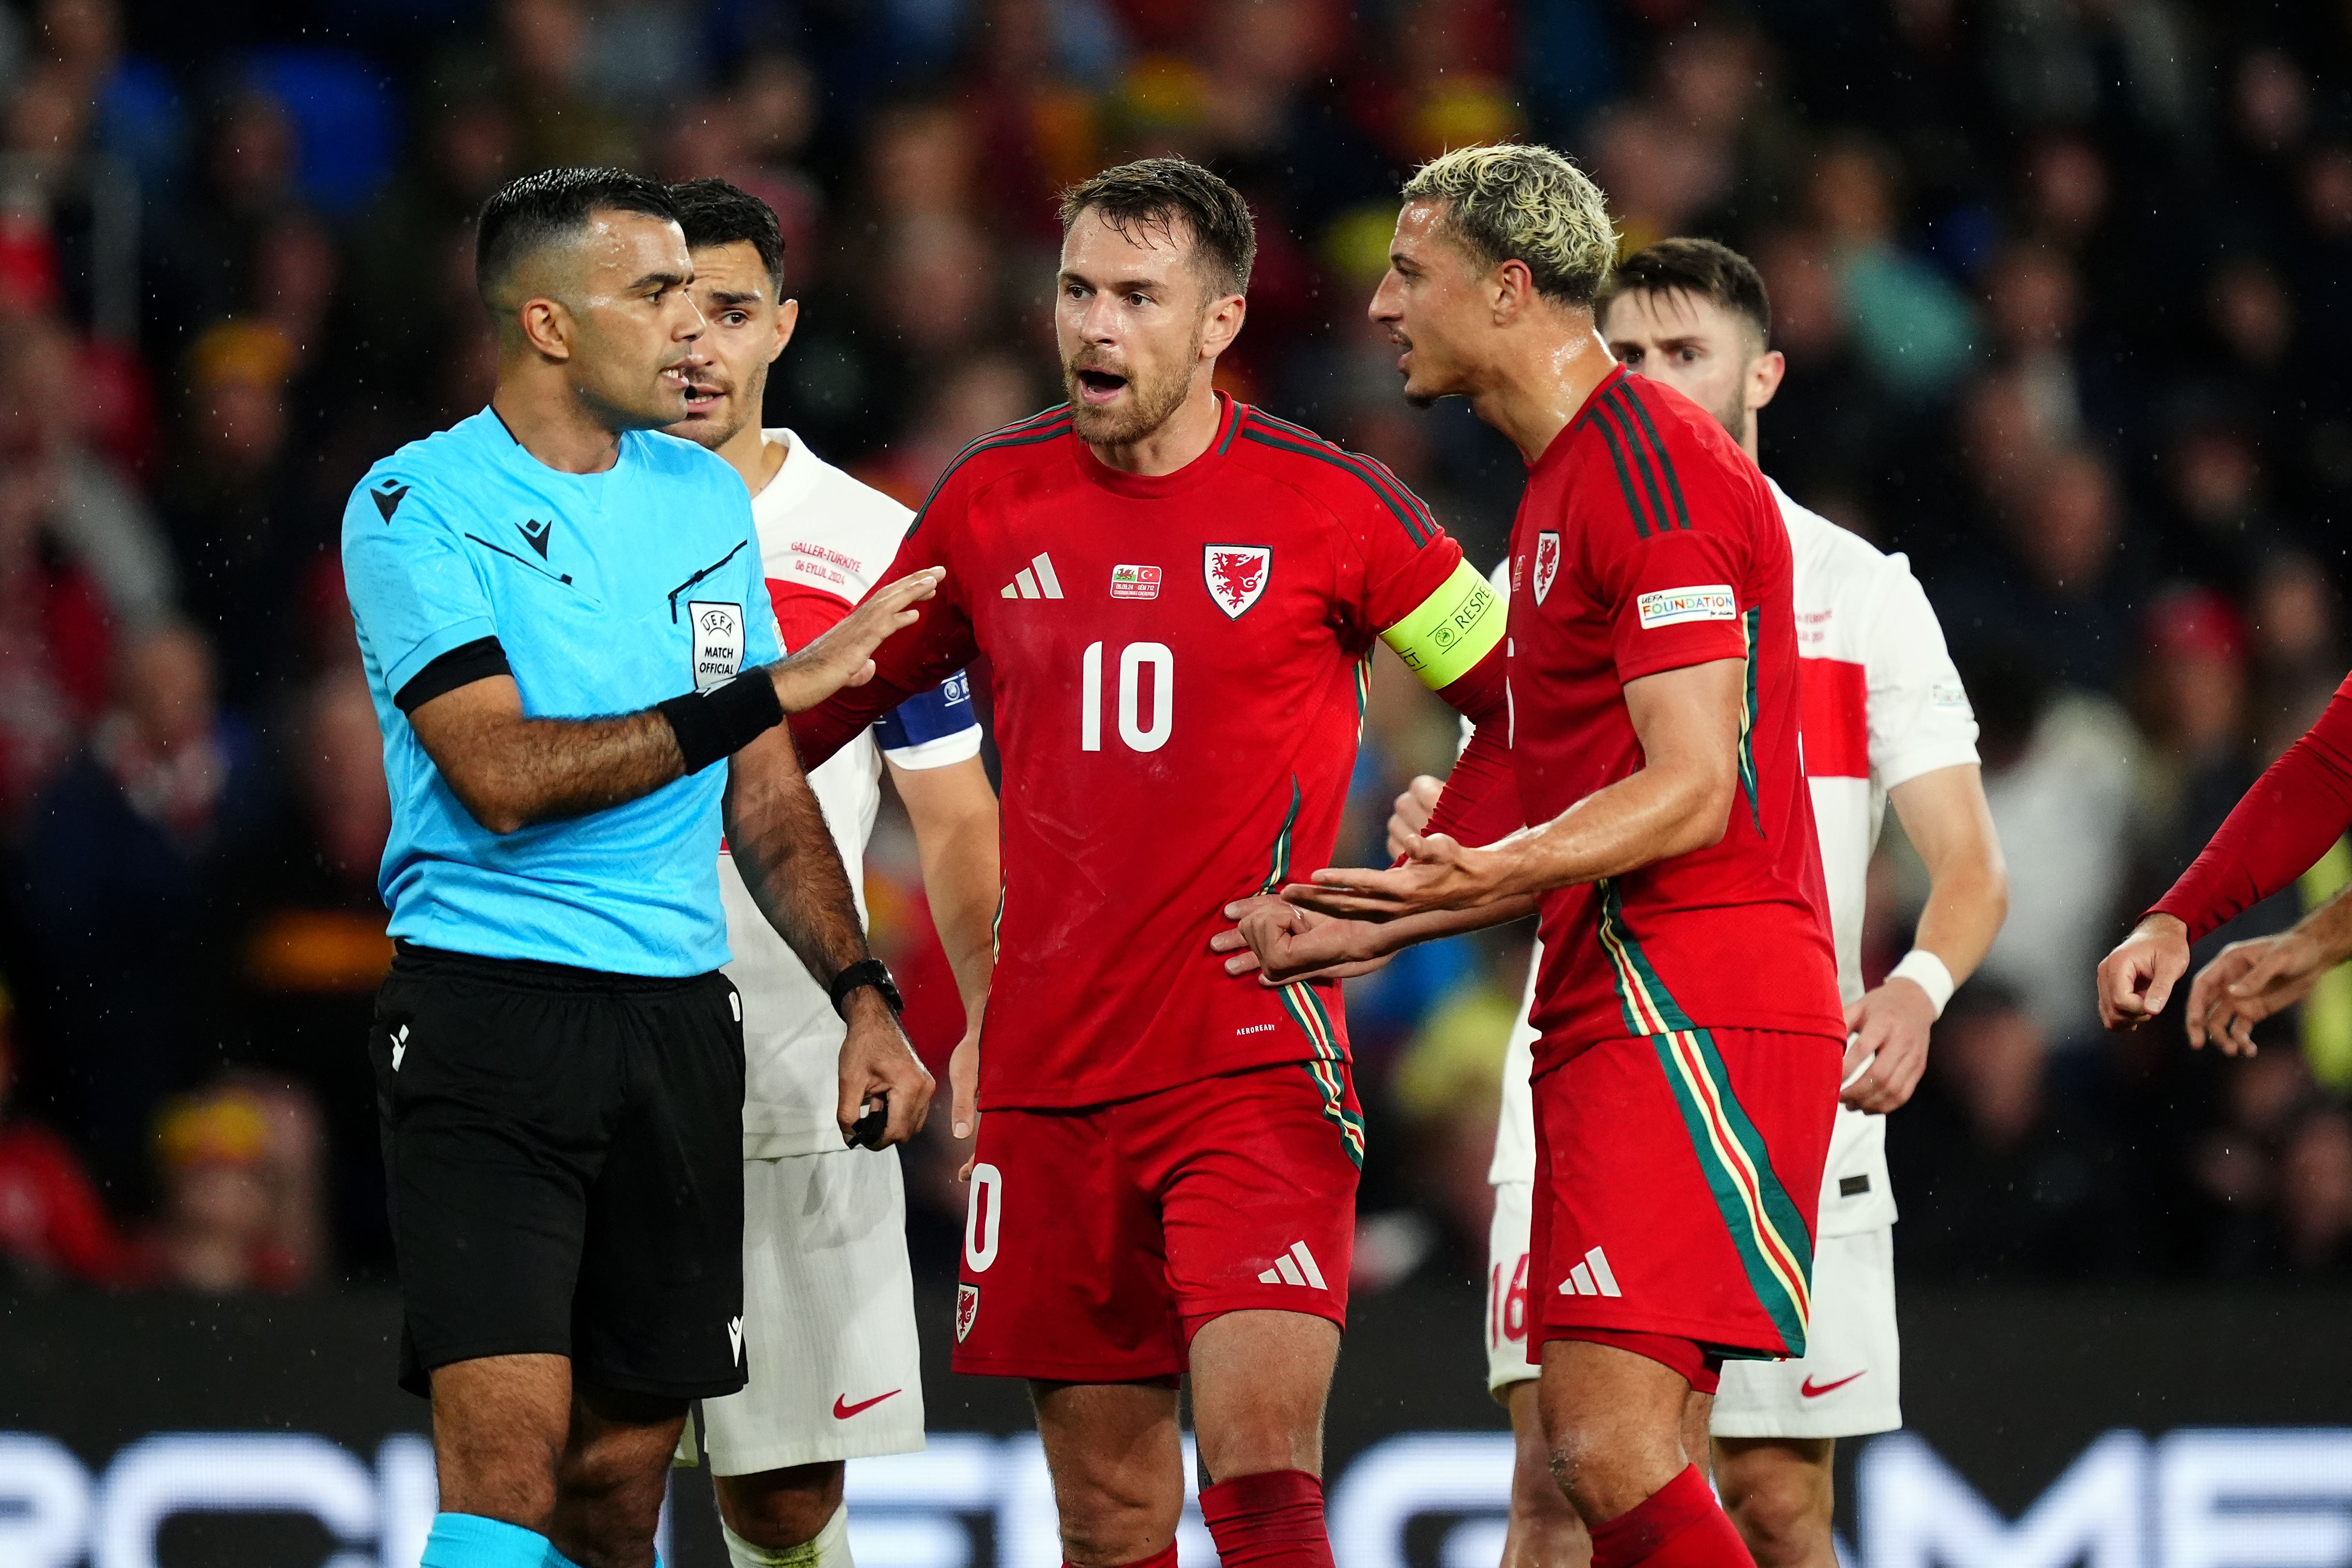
1674 606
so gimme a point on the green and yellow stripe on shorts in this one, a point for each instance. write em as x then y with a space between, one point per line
1766 1229
1328 1064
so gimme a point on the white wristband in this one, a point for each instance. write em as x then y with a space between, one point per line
1927 971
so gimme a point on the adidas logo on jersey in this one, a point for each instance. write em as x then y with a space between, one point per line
1296 1267
1036 580
1590 1278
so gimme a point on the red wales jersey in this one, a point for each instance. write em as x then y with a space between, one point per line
1178 664
1647 541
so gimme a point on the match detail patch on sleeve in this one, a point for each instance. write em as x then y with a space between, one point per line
1674 606
1453 629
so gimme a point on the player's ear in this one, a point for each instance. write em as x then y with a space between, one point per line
788 316
1508 289
1764 373
1223 325
546 326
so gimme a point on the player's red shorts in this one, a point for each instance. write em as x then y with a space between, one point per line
1678 1179
1099 1241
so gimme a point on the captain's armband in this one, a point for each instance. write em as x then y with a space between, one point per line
1446 635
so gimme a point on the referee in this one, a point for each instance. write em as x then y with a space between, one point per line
574 664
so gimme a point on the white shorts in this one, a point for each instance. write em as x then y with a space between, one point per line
1848 1383
828 1318
1506 1289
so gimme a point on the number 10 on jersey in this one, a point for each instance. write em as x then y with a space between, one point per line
1132 660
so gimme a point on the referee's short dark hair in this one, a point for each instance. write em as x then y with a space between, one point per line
527 214
1703 268
1155 194
713 212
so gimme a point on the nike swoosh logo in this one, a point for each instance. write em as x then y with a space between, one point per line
842 1410
1809 1392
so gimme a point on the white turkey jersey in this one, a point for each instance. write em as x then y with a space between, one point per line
824 539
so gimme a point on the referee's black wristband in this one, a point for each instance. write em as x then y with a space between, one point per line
723 720
865 972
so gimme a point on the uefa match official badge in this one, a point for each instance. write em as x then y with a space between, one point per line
718 633
967 1309
1237 575
1135 582
1546 563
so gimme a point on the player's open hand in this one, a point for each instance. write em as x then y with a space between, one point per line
1438 872
1412 810
2246 983
963 1095
844 656
2136 979
881 1077
1886 1044
1299 935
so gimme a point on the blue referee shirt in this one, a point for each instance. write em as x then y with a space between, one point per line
600 593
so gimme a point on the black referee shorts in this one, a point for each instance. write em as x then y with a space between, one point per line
565 1155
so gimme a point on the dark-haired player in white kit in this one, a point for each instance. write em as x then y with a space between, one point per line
828 1307
1883 717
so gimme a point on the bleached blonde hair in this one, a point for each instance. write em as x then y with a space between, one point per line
1507 202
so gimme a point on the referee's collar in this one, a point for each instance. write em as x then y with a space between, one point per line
620 450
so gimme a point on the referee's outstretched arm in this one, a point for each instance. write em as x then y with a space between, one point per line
510 771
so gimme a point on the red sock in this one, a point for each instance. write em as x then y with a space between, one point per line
1162 1559
1681 1526
1274 1519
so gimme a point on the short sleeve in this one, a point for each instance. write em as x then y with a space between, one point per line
413 590
1424 601
914 660
1672 595
931 730
1920 719
1407 555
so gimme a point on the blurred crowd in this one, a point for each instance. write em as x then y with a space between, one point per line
2065 287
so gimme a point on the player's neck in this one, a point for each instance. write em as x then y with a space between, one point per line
549 420
1173 442
751 455
1535 387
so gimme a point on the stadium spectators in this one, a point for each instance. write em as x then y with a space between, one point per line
53 1223
115 898
2066 300
240 1208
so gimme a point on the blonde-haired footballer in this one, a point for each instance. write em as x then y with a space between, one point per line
828 1310
1884 716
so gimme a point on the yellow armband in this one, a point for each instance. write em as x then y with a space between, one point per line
1453 629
